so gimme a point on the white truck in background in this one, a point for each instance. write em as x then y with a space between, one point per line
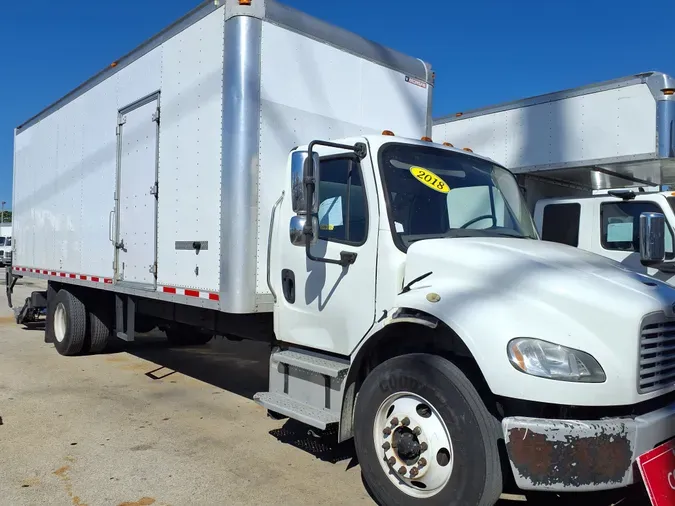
591 161
5 244
228 177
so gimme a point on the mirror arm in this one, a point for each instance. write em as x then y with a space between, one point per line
346 257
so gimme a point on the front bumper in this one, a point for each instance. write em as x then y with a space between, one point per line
576 455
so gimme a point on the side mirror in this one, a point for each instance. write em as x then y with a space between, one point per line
652 238
297 230
301 168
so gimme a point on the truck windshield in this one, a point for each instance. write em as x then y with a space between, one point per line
434 193
2 241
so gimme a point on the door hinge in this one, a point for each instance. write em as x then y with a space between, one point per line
153 269
154 189
155 116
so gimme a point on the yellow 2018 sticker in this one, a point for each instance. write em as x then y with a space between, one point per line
428 178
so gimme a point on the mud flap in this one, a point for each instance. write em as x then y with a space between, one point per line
51 298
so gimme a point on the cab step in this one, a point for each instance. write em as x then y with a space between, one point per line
323 366
282 403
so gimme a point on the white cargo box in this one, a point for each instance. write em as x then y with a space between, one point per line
158 175
612 134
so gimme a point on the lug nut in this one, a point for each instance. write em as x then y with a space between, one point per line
387 431
405 422
392 461
424 447
417 431
394 422
402 470
386 446
413 472
422 462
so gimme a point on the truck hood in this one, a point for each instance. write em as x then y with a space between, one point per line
492 290
529 264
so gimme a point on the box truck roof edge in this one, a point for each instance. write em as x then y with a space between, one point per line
268 10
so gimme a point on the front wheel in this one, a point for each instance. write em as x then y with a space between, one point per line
424 437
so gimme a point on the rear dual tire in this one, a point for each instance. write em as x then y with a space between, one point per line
445 433
76 328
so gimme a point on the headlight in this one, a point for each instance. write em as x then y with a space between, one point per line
548 360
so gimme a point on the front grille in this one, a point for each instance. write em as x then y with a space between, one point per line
657 356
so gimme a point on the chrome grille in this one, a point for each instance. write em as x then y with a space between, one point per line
657 356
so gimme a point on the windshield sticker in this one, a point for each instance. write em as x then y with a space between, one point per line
429 179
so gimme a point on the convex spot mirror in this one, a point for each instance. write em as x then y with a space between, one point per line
297 230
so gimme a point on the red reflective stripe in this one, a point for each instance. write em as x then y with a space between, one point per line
191 293
214 296
168 289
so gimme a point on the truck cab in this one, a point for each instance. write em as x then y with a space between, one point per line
417 307
608 224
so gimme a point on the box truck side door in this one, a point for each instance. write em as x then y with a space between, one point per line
137 192
328 306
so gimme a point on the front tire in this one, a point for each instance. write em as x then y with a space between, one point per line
424 437
69 323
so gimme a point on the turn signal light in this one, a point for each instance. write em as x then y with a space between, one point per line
458 114
388 132
426 139
668 91
244 2
468 149
448 145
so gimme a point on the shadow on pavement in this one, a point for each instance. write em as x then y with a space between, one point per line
238 367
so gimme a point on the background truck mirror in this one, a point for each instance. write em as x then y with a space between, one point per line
652 238
297 230
300 168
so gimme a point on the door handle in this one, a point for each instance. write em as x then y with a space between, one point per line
288 285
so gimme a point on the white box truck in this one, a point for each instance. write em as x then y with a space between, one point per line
5 244
229 177
591 161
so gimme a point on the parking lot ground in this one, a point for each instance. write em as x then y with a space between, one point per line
152 425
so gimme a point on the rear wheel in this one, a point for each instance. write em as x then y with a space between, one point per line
100 328
69 323
424 437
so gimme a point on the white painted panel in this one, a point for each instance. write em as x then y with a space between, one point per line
137 216
608 124
99 156
65 165
310 90
190 155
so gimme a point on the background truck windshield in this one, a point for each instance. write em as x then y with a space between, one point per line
434 192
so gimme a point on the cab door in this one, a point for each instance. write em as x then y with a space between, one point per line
324 305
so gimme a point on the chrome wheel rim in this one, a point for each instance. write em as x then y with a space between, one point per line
414 445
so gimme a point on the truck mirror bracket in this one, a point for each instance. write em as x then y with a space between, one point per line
310 182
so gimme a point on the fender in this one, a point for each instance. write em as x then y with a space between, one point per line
393 317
